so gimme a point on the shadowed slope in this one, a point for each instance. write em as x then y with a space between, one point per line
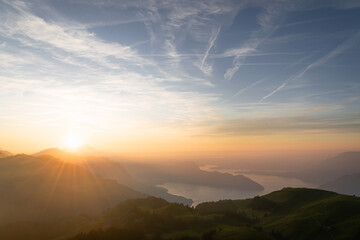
45 188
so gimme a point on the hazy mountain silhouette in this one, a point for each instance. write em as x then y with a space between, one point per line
4 153
45 188
330 169
153 174
325 171
348 184
113 170
189 173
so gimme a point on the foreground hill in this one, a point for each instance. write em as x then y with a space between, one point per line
286 214
46 189
112 170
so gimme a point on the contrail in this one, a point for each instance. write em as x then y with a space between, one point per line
212 41
336 51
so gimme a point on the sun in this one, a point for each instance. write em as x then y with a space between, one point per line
73 141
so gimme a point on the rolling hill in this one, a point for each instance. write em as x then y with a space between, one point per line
291 213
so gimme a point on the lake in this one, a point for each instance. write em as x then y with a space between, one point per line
200 193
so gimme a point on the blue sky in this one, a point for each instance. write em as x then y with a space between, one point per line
206 68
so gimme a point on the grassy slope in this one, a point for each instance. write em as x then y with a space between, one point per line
302 213
286 214
321 214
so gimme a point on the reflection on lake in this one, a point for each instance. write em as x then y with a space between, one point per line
199 193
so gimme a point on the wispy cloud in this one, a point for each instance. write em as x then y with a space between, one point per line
280 125
62 68
267 21
32 30
77 75
172 54
172 23
239 56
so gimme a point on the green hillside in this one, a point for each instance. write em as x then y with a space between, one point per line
291 213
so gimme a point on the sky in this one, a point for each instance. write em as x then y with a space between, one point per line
172 78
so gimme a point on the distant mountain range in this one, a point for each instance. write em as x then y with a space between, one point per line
4 153
348 184
189 173
44 188
112 170
291 213
339 173
328 170
135 175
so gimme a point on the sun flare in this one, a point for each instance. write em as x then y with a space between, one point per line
73 141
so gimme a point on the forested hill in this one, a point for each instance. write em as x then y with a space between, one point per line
291 213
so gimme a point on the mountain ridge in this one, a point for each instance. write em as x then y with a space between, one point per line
110 169
347 184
